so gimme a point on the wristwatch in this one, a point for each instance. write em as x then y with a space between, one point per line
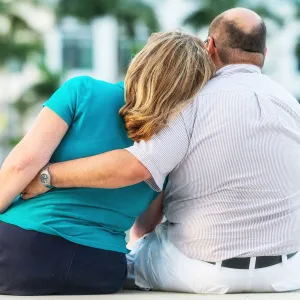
45 177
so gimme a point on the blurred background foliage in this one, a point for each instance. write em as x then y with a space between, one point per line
128 12
18 40
21 42
209 9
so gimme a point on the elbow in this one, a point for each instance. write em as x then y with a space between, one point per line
122 169
18 167
3 208
140 172
21 165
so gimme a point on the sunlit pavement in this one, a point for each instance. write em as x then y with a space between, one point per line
126 295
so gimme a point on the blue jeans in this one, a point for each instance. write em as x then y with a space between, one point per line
34 263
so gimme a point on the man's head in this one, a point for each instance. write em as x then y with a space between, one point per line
237 36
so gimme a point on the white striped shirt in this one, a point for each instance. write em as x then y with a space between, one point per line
234 162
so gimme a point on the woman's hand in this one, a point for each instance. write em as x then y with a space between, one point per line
34 188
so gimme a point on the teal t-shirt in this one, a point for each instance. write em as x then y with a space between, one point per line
92 217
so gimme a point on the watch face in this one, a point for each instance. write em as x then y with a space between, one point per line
44 178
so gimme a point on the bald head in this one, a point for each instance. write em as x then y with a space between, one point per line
240 36
245 19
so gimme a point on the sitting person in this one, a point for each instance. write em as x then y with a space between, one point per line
73 241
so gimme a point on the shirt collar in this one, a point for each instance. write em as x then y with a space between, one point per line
237 68
229 69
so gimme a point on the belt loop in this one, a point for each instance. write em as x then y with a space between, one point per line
284 259
252 263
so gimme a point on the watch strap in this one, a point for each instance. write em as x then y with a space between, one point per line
45 177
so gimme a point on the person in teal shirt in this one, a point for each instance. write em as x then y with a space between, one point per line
97 218
72 241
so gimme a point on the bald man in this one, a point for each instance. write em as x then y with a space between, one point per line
232 198
238 36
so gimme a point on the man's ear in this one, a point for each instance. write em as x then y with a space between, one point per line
210 46
266 51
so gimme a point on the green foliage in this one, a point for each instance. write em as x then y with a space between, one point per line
297 52
49 83
209 9
297 5
87 10
132 11
266 13
17 39
298 48
39 92
13 141
127 12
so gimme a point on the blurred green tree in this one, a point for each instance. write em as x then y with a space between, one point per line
209 9
18 39
127 12
297 4
40 91
298 52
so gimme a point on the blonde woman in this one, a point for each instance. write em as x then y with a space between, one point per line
72 241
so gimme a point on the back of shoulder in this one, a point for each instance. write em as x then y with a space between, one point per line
245 83
281 92
89 89
84 83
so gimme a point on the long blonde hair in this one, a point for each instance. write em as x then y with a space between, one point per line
162 79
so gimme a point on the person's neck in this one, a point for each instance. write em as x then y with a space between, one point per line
220 66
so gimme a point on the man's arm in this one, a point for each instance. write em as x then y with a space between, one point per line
149 161
114 169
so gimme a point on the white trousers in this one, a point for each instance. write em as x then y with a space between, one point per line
156 264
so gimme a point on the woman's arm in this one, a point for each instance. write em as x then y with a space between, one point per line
148 220
30 155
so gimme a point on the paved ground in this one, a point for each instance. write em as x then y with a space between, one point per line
128 295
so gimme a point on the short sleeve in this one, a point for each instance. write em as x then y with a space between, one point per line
163 152
66 102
